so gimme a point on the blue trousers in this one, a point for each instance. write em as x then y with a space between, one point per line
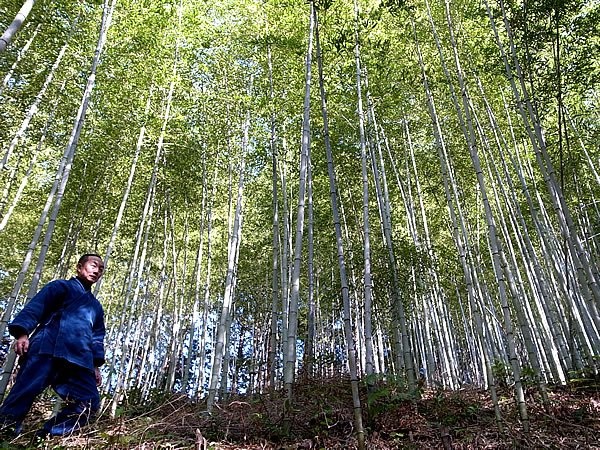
76 385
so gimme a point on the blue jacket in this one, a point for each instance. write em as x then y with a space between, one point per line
69 321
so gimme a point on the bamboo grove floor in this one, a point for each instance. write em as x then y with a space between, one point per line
322 418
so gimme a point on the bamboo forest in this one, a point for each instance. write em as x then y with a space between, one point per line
324 223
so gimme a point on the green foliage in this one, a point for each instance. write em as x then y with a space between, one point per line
117 439
528 376
322 420
388 393
396 7
391 380
451 409
584 380
501 372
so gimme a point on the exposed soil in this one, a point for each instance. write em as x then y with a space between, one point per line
322 418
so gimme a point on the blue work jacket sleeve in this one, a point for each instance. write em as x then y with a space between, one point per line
98 332
39 309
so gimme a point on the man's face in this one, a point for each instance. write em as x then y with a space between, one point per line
90 271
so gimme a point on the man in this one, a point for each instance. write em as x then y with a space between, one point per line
65 351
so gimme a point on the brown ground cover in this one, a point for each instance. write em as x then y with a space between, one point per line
322 418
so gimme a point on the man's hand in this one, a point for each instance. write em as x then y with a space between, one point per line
22 345
98 376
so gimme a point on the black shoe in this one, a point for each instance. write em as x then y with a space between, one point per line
9 432
43 434
39 438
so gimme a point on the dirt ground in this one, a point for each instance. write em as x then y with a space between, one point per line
322 418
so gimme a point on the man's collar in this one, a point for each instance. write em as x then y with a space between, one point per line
81 284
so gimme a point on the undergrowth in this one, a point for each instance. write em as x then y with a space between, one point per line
322 418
